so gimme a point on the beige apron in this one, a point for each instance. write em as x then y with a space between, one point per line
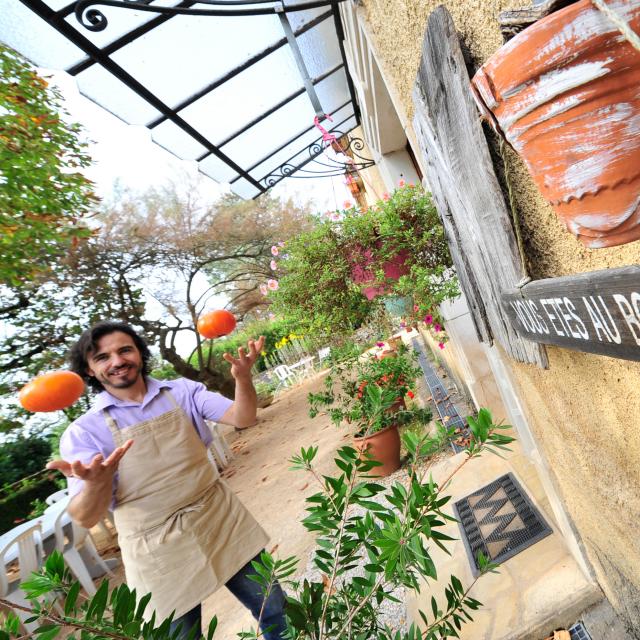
182 531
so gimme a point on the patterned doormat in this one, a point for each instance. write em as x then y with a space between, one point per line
499 520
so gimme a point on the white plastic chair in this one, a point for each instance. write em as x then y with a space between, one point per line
102 523
68 542
284 375
219 447
30 558
55 497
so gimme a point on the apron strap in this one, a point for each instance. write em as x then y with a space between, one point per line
174 402
113 427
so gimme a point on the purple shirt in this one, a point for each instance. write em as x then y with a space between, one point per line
89 435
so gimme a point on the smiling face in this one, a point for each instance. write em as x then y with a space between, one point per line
116 362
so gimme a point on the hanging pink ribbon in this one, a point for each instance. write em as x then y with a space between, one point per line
326 136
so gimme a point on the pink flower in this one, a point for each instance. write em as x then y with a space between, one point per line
274 265
347 204
401 183
441 345
274 250
272 284
281 244
416 308
386 196
428 319
379 344
403 324
272 316
263 289
437 327
411 185
335 216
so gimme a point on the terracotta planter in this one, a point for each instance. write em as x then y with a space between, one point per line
383 446
564 93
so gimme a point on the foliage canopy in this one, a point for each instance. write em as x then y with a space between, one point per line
43 194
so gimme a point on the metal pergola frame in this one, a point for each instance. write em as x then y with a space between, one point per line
93 19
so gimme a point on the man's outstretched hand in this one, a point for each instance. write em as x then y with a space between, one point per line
98 471
241 366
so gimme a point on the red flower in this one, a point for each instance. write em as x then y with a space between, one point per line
441 345
428 319
411 394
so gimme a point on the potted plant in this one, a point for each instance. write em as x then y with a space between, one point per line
368 394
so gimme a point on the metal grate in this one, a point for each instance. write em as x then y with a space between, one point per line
499 520
446 409
578 632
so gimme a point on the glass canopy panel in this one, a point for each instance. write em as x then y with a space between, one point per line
216 169
175 140
244 189
298 18
245 97
194 58
320 49
25 32
333 91
269 133
120 22
111 94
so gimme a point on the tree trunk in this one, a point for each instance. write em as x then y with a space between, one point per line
213 380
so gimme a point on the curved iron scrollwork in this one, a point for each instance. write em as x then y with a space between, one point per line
94 20
330 167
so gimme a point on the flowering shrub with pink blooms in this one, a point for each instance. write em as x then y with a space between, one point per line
397 247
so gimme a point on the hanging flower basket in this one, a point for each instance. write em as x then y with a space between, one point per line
364 271
564 93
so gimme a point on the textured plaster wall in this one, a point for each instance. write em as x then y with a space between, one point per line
585 410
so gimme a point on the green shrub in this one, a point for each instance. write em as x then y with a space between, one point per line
22 457
16 506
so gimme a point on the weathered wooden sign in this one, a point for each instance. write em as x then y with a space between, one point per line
597 312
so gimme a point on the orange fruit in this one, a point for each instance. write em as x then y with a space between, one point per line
51 391
216 323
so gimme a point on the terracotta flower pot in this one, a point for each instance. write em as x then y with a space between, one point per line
564 93
383 446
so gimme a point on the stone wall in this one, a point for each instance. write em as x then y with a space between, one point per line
584 410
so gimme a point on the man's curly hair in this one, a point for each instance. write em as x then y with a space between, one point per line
88 342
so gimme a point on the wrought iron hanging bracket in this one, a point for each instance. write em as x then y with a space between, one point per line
94 20
332 167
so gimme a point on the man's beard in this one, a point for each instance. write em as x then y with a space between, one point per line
129 380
